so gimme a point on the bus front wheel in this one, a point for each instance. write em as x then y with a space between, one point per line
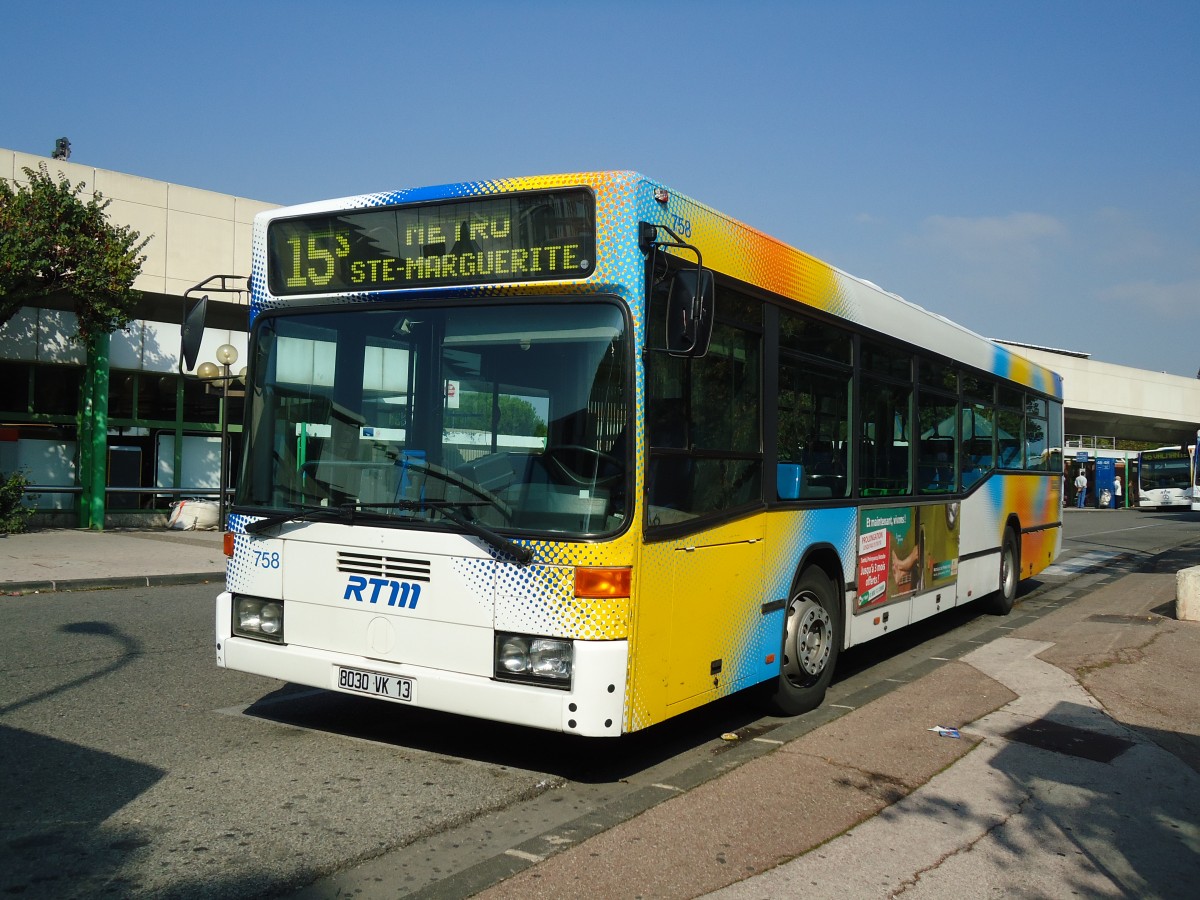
811 641
1001 602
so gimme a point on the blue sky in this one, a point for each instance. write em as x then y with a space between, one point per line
1029 169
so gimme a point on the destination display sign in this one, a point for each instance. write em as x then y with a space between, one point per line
486 240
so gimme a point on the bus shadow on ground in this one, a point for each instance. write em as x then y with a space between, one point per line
588 760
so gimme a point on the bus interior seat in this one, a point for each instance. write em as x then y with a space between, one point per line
824 471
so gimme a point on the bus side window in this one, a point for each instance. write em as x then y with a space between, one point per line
977 460
935 467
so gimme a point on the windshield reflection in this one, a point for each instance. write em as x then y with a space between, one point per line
509 417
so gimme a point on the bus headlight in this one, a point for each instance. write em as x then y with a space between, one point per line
254 617
534 660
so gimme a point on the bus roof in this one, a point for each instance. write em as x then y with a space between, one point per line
728 246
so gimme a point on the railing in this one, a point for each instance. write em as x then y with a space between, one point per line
1090 442
172 492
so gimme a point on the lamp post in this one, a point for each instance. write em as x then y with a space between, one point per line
219 379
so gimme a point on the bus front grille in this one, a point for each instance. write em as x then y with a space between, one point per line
398 567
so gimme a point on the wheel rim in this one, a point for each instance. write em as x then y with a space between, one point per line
809 639
1007 573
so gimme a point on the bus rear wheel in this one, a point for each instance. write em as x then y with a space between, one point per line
811 642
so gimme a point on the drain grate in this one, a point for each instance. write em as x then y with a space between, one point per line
1070 741
1124 620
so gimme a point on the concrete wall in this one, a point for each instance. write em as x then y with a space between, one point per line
193 233
1116 398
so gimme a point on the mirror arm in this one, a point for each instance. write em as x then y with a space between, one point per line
193 319
648 240
651 244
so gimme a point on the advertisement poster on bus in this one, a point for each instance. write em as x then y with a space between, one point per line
905 549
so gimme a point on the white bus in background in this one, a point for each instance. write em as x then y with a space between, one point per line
1196 476
1165 478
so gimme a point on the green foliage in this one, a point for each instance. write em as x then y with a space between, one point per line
517 416
1137 445
54 241
14 514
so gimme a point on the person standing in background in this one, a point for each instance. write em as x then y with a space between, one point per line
1080 488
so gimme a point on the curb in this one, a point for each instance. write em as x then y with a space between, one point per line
20 588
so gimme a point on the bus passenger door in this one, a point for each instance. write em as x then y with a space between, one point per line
716 599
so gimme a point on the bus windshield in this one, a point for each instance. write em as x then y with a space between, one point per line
511 417
1164 469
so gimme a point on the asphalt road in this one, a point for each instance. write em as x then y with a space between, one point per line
134 767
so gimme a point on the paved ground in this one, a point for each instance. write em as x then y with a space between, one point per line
1077 768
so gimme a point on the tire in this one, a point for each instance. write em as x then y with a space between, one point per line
1001 602
812 639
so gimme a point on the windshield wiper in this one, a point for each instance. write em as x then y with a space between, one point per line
349 511
302 513
447 509
521 553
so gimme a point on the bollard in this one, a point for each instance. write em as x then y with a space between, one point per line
1187 594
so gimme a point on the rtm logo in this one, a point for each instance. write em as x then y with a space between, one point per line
398 593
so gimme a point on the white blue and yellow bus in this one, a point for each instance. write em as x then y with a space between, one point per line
580 453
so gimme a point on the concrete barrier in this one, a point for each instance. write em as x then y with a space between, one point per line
1187 594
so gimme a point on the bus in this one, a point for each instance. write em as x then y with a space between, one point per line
1165 478
580 453
1196 474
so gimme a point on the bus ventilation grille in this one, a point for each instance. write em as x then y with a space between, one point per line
392 567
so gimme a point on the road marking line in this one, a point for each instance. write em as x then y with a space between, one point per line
1093 559
528 857
1119 530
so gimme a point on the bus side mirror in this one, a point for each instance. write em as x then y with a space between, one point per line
690 312
192 333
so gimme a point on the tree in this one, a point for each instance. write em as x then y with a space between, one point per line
54 241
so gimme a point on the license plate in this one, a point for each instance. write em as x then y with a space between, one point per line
393 687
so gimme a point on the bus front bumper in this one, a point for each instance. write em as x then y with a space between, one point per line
593 707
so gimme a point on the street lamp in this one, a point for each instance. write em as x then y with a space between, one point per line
219 379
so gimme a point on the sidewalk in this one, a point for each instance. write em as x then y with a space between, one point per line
64 559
